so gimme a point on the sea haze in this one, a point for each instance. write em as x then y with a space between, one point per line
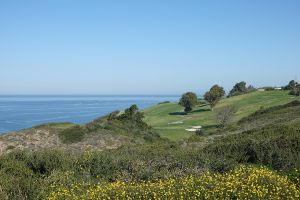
19 112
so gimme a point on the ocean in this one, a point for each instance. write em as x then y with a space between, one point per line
19 112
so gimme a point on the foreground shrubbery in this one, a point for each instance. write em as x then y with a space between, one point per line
27 175
244 182
277 146
164 168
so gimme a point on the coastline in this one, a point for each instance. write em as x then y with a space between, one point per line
78 109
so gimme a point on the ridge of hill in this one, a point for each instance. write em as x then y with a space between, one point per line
107 132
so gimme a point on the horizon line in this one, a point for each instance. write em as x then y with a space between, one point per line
90 94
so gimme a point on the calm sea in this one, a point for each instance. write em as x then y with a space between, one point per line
19 112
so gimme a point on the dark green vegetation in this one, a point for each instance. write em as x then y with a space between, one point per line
129 123
73 134
293 87
240 88
258 134
188 101
295 91
214 95
276 146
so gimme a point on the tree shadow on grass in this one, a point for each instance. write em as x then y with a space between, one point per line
178 113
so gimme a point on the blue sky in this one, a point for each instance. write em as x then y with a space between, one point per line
146 47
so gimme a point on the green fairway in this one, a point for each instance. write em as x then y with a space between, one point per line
170 123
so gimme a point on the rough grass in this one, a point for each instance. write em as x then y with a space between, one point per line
72 135
286 113
160 115
275 145
56 125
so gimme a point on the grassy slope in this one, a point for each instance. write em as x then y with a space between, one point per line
159 117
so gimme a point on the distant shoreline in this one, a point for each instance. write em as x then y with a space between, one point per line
25 111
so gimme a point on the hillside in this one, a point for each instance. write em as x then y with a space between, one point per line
107 132
168 120
47 136
268 136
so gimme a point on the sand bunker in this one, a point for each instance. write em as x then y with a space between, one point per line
194 128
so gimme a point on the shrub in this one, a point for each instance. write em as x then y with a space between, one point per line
10 147
295 91
292 84
276 146
243 182
199 132
97 124
43 162
238 89
17 182
73 134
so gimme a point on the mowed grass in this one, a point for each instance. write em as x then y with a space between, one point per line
160 116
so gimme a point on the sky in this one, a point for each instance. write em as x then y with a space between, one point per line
146 47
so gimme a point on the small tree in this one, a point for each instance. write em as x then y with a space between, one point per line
132 113
292 84
214 95
188 101
238 89
132 110
225 115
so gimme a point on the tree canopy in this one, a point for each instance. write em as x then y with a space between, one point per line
188 101
214 95
294 88
292 84
238 89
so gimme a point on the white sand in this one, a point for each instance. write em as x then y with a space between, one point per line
194 128
179 122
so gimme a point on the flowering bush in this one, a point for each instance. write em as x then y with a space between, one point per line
243 182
